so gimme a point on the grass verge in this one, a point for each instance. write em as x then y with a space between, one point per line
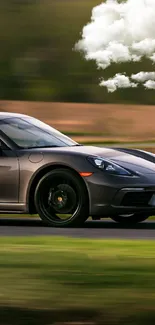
20 216
63 279
141 144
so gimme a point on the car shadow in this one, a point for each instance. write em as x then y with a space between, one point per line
21 222
105 224
114 225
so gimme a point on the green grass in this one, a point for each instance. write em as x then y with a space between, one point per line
100 136
83 134
113 142
20 216
113 278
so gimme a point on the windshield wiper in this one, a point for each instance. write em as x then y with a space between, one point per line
40 147
77 145
53 146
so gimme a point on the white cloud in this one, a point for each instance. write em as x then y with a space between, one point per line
119 81
119 32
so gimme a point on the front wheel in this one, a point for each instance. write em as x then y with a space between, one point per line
128 219
61 199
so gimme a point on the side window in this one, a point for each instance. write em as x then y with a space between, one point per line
3 148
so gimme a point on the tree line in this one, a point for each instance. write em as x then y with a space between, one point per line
37 60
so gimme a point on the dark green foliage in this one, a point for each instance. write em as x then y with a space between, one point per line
37 60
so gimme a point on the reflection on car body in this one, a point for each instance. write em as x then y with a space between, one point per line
45 172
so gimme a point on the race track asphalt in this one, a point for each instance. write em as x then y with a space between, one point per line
91 229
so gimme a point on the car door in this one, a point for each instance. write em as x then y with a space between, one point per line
9 175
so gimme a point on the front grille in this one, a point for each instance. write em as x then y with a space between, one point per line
138 199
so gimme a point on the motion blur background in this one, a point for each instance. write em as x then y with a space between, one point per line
49 280
38 63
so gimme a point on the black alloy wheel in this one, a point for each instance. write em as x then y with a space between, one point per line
61 199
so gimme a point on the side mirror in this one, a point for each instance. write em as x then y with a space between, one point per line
3 146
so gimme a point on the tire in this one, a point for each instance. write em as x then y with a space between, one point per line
128 219
61 199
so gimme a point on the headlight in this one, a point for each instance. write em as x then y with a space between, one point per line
108 166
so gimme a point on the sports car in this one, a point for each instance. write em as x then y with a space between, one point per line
44 172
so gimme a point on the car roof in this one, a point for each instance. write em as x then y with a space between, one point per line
4 115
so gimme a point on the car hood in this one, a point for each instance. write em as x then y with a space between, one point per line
124 159
127 160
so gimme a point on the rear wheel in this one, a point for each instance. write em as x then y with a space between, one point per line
61 199
129 218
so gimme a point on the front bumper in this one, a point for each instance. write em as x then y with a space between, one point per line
114 195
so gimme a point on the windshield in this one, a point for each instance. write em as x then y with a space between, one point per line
29 132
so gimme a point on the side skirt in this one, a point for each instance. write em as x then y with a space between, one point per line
12 208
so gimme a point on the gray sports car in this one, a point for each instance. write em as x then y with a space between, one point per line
44 172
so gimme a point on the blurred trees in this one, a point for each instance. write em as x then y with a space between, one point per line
37 61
